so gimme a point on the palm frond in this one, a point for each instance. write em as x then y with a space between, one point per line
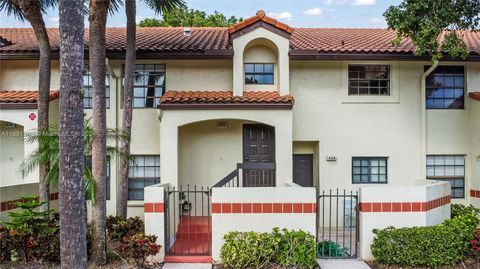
163 6
11 9
90 184
114 6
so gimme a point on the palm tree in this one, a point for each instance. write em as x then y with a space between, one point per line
51 154
159 6
73 226
32 10
98 12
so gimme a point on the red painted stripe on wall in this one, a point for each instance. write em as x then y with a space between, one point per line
475 193
263 208
9 205
405 206
153 207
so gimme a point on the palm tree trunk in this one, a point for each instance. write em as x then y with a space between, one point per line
32 11
73 247
122 194
97 58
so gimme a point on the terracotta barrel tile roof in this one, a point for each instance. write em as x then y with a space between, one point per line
224 97
363 40
149 39
24 96
217 40
474 95
260 16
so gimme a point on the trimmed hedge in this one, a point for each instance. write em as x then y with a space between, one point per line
285 248
443 244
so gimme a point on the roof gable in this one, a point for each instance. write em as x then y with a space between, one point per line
260 17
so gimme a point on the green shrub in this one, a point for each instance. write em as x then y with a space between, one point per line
460 210
443 244
331 249
118 228
296 248
140 247
285 248
30 234
244 249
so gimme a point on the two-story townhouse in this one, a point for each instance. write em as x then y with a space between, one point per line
329 108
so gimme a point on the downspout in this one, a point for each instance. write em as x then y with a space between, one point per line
423 175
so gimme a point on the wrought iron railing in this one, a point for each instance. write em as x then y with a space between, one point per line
253 174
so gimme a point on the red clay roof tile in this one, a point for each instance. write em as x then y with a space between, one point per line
216 40
474 95
24 96
260 16
224 97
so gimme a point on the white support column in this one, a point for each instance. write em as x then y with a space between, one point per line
169 151
154 216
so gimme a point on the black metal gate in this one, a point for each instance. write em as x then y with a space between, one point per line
337 224
188 223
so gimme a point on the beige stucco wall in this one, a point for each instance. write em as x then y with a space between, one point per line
324 117
345 129
11 153
207 153
170 154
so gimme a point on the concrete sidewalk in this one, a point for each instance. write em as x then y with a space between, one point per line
187 266
342 264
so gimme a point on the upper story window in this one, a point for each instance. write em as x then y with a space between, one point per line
148 85
88 90
369 170
445 88
449 168
368 79
258 73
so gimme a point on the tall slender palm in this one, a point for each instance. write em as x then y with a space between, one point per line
159 6
32 10
73 227
98 12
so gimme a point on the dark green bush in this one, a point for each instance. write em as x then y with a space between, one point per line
30 234
243 249
118 228
460 210
296 248
443 244
331 249
285 248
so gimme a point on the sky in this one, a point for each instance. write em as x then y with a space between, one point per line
296 13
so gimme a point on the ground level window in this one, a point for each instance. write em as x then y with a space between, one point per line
449 168
143 171
369 170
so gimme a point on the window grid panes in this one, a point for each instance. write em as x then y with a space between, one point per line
369 80
142 172
449 168
148 85
258 73
369 170
88 91
88 163
445 88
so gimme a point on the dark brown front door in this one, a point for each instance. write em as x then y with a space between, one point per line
303 169
258 147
